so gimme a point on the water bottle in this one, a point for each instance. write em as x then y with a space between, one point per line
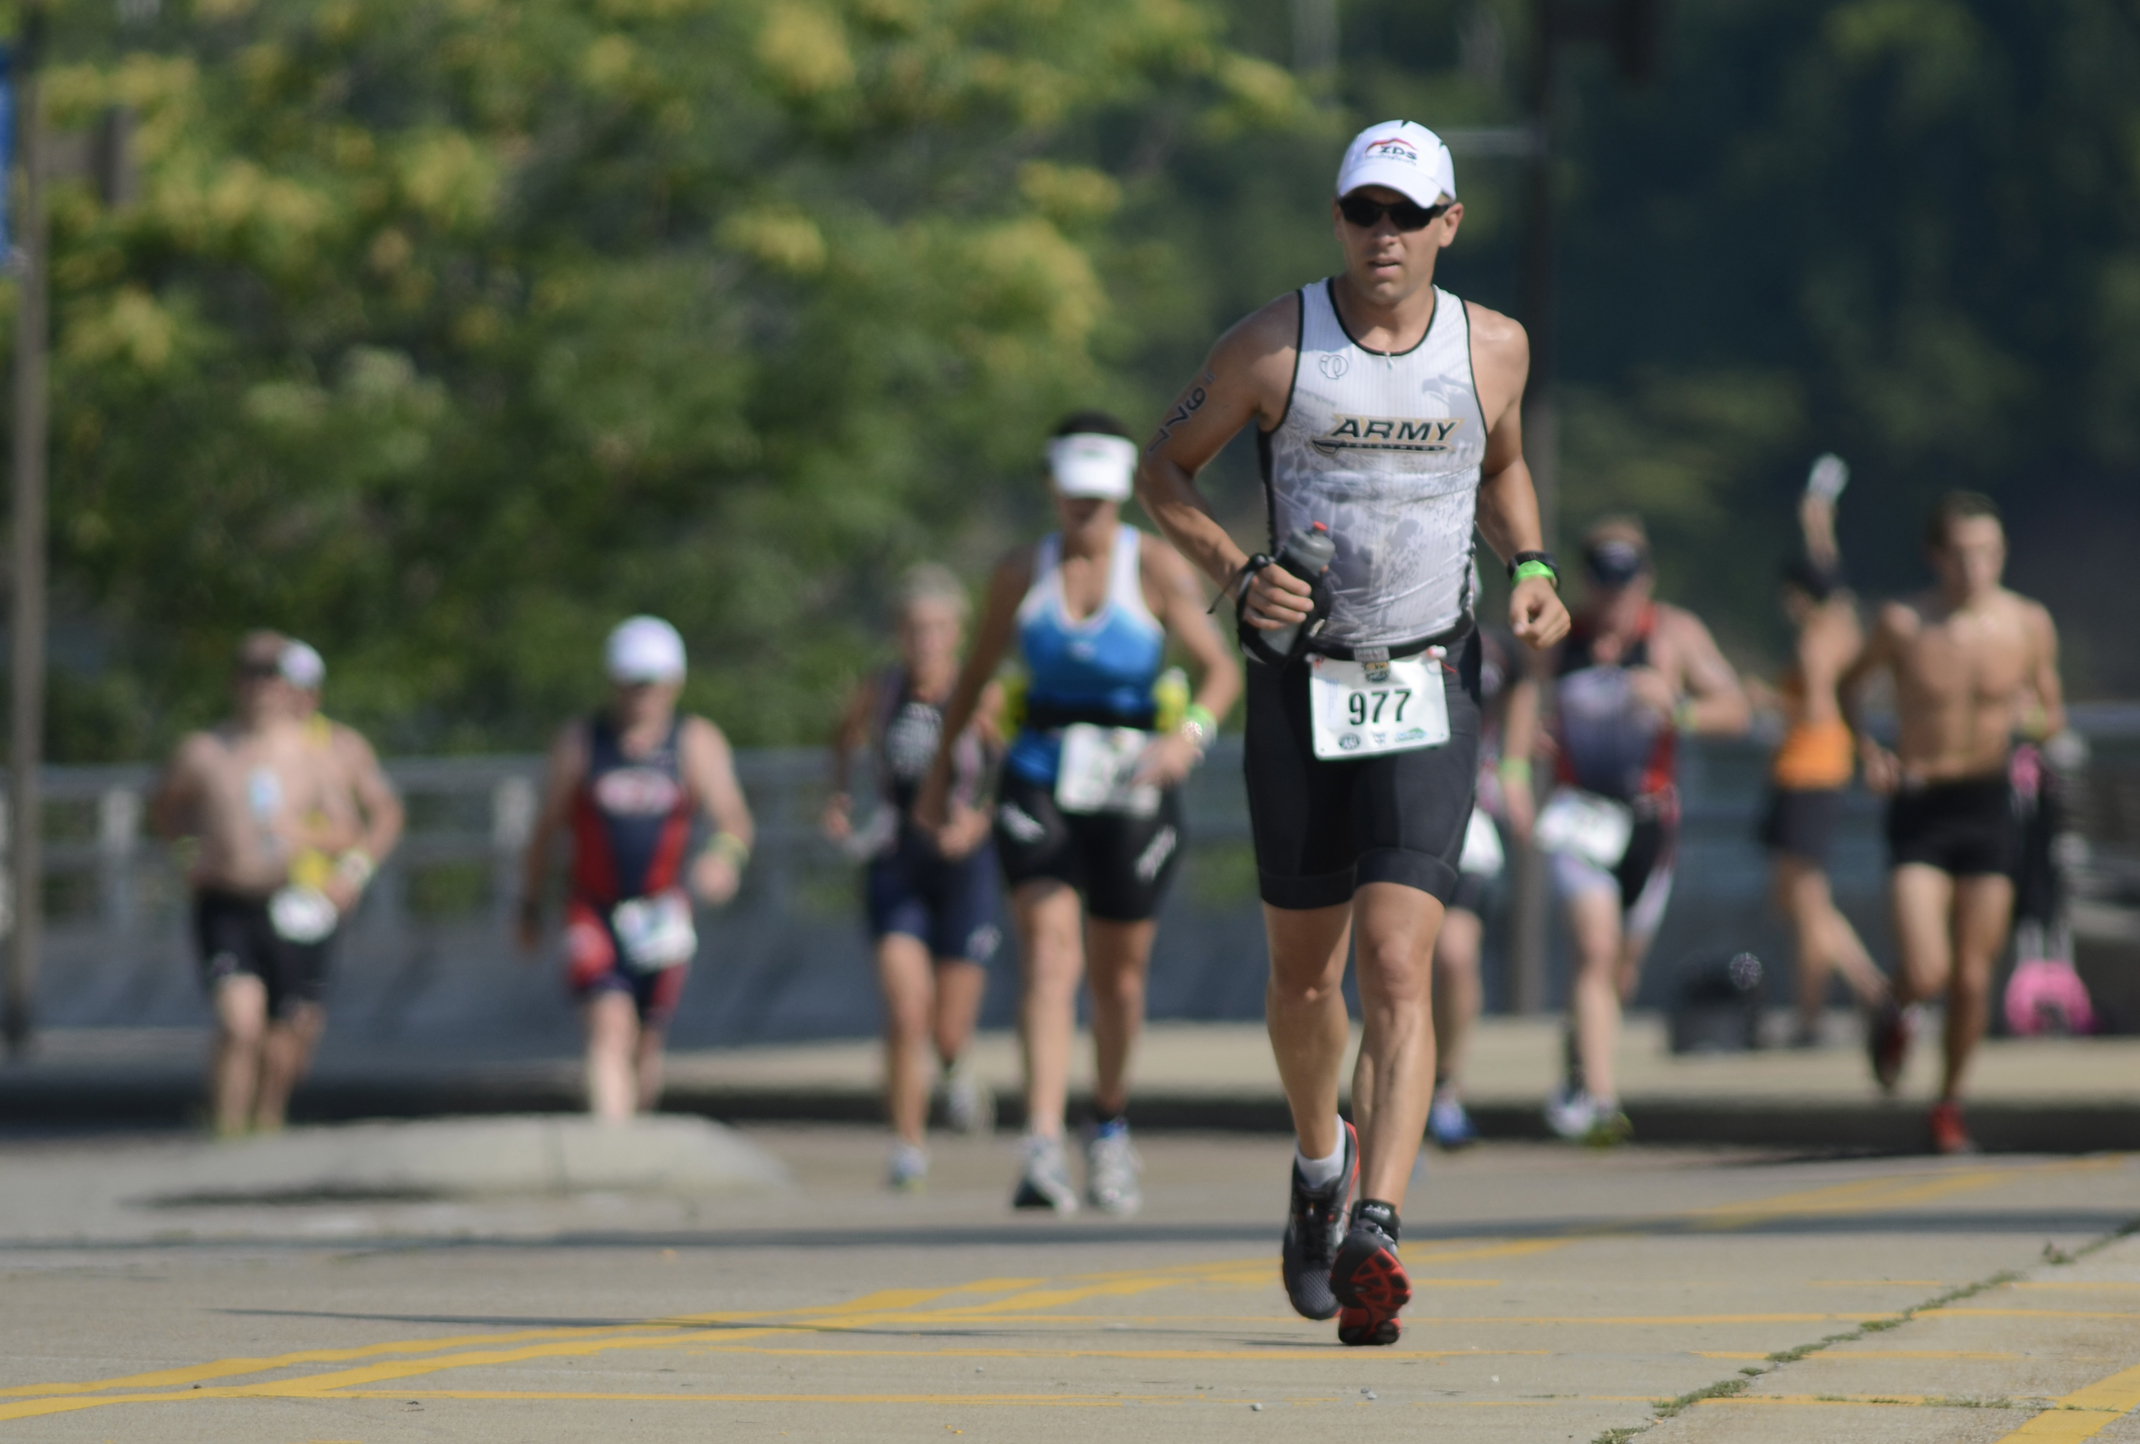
1306 554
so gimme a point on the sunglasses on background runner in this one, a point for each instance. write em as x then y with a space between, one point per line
259 671
1408 215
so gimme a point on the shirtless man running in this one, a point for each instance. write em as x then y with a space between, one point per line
1968 659
270 879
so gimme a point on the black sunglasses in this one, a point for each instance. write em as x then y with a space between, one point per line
1408 215
258 671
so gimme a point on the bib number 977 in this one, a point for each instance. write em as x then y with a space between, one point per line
1368 707
1357 711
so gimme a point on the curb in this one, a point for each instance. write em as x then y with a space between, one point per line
1868 1125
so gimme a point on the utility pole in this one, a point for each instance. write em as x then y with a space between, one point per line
1633 29
26 679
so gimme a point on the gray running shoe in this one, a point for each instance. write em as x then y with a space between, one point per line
1111 1170
1570 1112
1045 1180
969 1106
909 1171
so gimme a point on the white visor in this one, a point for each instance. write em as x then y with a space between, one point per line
1092 463
301 666
644 649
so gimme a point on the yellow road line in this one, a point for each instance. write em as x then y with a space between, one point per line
2084 1413
1036 1300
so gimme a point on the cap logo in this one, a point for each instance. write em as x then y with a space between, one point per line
1333 363
1391 148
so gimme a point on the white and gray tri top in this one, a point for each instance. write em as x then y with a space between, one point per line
1385 450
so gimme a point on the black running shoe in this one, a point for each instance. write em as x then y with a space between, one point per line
1887 1039
1369 1283
1312 1228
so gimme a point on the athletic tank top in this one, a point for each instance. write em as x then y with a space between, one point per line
905 737
1812 755
631 820
1099 670
1611 742
1385 450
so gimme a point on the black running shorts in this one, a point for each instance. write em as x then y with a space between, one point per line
1324 827
1800 822
1965 828
1120 862
237 939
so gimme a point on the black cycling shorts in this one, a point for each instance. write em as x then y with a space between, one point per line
236 938
949 904
1965 828
1324 826
1800 822
1119 862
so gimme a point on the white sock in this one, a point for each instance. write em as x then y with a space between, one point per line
1317 1172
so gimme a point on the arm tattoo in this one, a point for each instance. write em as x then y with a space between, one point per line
1188 406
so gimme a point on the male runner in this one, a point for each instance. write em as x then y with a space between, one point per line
270 879
1968 657
1387 410
628 783
1632 676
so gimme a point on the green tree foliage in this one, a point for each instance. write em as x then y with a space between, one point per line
448 331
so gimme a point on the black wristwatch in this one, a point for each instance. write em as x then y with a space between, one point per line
1534 564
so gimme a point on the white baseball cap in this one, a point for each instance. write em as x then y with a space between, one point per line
1092 463
301 666
644 649
1403 155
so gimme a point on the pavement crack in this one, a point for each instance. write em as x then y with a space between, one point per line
1726 1388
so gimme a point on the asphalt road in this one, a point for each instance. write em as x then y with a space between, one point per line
1562 1295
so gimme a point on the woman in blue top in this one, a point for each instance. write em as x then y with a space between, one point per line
1088 821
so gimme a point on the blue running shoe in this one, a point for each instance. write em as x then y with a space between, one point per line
1449 1125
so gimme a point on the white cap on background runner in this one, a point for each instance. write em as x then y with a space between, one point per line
1092 463
1403 155
644 649
301 666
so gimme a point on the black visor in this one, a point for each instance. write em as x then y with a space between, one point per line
1615 561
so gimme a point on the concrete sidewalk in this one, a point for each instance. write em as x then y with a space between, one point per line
2054 1095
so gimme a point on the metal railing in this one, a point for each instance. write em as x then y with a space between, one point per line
427 962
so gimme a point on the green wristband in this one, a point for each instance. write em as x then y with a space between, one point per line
1527 570
1514 769
728 845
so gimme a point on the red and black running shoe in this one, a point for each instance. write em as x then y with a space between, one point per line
1887 1040
1312 1229
1368 1279
1949 1133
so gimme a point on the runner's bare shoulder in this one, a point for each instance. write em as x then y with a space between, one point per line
1496 338
1263 347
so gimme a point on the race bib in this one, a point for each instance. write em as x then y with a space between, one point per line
1363 709
301 914
1097 771
1482 854
1585 825
655 932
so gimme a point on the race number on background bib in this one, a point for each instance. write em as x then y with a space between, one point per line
1482 855
1363 709
301 914
1585 825
655 932
1097 768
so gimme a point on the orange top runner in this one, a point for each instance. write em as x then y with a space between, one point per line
1812 754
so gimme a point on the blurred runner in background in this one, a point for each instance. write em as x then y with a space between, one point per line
1811 771
1973 664
1388 418
1458 992
279 852
1633 675
931 899
1088 818
629 782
